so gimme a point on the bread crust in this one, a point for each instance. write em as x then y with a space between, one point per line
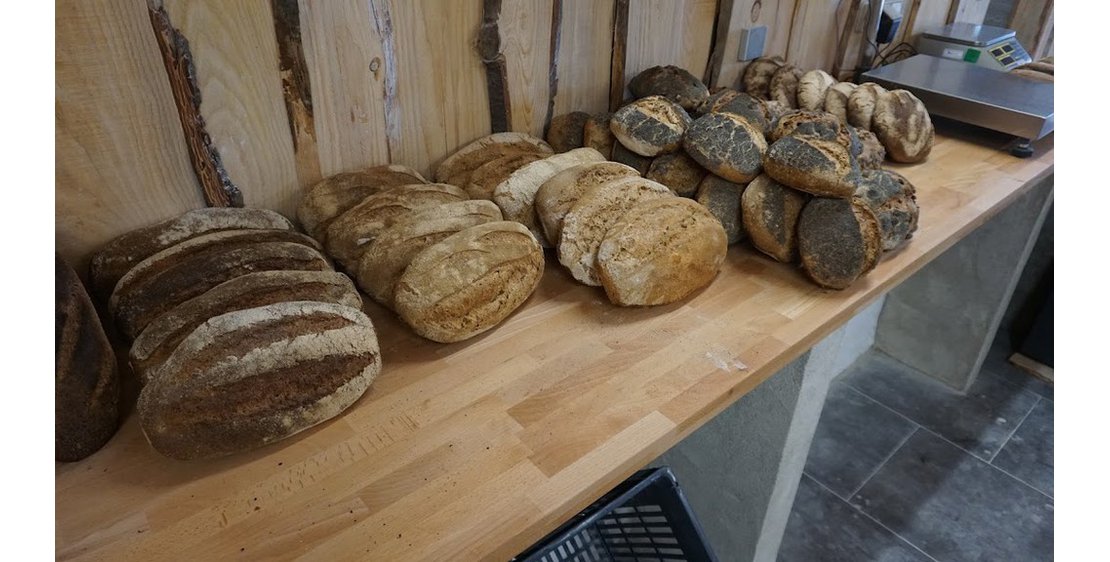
671 82
903 126
596 134
836 99
784 85
678 171
332 196
756 80
456 168
565 131
812 87
839 241
485 179
517 194
624 156
861 104
727 145
557 195
755 111
769 212
722 198
816 163
893 199
650 126
872 154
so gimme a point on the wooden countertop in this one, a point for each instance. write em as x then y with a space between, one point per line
476 450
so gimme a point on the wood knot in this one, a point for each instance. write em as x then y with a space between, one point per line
489 42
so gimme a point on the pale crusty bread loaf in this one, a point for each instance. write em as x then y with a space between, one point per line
456 168
557 195
517 195
678 171
755 111
386 259
836 99
816 161
812 88
756 80
903 126
183 271
592 215
872 154
124 252
86 381
861 104
639 163
251 377
488 176
332 196
671 82
565 131
838 240
784 85
893 199
470 281
660 251
350 233
597 135
155 344
727 145
722 198
770 211
650 126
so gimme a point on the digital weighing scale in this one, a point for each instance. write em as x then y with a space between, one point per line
996 48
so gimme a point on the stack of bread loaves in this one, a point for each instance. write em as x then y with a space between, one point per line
241 332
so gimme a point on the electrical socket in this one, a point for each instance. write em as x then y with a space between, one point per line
752 40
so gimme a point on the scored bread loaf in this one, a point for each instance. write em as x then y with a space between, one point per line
517 194
386 259
155 344
756 80
806 123
86 381
350 233
678 171
470 281
784 85
727 145
332 196
565 131
650 126
718 97
660 251
872 153
624 156
125 251
488 176
903 126
756 112
456 168
839 240
247 378
557 195
861 104
592 215
836 99
769 211
671 82
893 200
596 134
722 198
812 87
817 160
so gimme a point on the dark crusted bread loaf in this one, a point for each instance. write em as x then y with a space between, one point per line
624 156
456 168
557 195
722 198
671 82
872 154
565 131
597 135
756 112
86 382
660 251
784 85
812 88
719 96
727 145
122 253
678 171
893 199
769 211
470 281
155 344
836 99
251 377
517 194
806 123
181 272
839 241
756 80
903 125
861 104
332 196
816 161
650 126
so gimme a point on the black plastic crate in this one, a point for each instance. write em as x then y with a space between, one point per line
645 519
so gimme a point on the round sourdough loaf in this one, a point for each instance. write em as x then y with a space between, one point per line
836 99
727 145
650 126
678 171
722 198
332 196
125 251
386 259
784 85
517 194
806 123
839 241
163 335
350 233
557 195
488 176
596 134
591 217
812 87
86 381
639 163
816 159
671 82
247 378
756 80
903 125
660 251
769 211
872 154
565 131
718 97
456 168
470 281
893 199
755 111
861 104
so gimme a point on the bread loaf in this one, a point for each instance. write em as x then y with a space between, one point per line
596 134
718 97
756 80
838 240
470 281
807 123
456 168
812 87
677 171
903 126
592 215
770 211
162 336
557 195
332 196
488 176
836 99
86 381
726 145
816 164
872 154
784 85
624 156
517 195
650 126
386 259
671 82
893 199
121 254
755 111
181 272
350 233
565 131
722 198
660 251
861 104
251 377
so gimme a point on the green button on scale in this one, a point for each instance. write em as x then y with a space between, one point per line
971 55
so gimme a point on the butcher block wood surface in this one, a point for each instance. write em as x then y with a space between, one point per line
475 450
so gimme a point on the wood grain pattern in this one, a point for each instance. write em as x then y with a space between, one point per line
969 11
475 450
497 73
687 25
120 157
777 15
526 43
1033 22
619 54
813 34
296 86
585 50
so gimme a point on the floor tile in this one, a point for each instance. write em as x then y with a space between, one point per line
823 527
854 436
1028 454
998 362
980 421
955 507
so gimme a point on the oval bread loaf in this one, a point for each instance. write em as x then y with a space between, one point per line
816 164
722 198
332 196
624 156
769 211
838 240
903 126
756 80
660 251
597 135
650 126
557 195
755 111
565 131
251 377
721 96
469 282
485 179
836 99
671 82
456 168
893 200
727 145
861 104
678 171
784 85
807 123
517 195
812 87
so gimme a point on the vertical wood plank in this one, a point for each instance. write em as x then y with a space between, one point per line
584 56
120 157
927 15
525 27
664 32
968 11
777 15
1033 21
619 54
296 88
813 35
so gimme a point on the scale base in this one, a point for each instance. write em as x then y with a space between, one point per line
1022 148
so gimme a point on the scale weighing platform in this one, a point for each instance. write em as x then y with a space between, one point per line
996 48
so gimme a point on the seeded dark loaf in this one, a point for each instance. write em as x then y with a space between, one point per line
671 82
624 156
839 240
816 158
893 199
678 171
727 145
722 198
769 211
650 126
